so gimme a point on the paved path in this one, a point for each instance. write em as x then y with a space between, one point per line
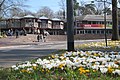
10 55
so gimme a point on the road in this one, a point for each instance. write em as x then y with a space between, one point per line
16 54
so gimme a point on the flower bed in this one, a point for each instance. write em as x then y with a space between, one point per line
79 65
74 64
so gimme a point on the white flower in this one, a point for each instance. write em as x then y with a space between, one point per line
46 61
68 54
96 67
29 69
84 62
89 65
113 56
62 57
69 63
100 59
75 53
104 62
116 72
14 66
101 66
112 64
103 70
48 66
74 67
97 63
91 60
22 66
28 64
34 64
117 56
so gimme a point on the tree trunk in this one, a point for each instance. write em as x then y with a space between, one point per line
70 26
115 30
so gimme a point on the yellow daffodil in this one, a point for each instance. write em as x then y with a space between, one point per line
110 70
52 56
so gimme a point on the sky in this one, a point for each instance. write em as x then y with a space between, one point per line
35 5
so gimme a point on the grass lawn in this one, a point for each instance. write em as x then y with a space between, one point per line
93 61
101 46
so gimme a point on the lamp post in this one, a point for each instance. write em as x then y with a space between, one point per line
70 24
105 22
104 1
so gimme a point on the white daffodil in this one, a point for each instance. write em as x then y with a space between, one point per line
69 63
22 66
14 66
29 69
89 65
48 66
84 62
46 61
112 64
62 57
117 56
103 70
75 53
97 63
34 64
100 59
29 64
104 62
101 66
117 71
96 67
67 54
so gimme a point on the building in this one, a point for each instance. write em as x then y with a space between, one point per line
93 24
57 26
87 24
33 25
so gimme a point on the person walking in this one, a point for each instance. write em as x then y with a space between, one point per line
38 37
44 38
41 37
17 33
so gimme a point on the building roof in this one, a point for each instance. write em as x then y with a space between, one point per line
95 18
29 16
43 17
16 17
56 19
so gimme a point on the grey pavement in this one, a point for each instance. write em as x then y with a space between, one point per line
12 54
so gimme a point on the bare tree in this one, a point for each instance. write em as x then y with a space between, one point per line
62 5
89 8
7 5
16 11
59 15
45 11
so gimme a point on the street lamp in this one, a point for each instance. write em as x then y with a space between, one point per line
70 24
104 1
105 22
